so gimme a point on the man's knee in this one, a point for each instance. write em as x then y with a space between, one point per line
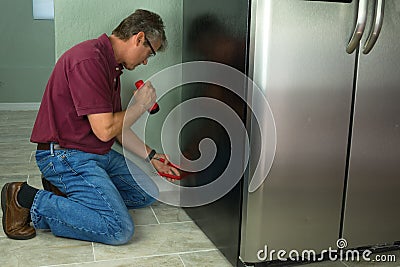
123 235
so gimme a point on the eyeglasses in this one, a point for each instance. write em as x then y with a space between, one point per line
151 47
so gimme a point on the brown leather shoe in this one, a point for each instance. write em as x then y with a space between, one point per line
15 218
50 187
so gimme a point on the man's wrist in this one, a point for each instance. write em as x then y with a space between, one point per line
139 106
151 155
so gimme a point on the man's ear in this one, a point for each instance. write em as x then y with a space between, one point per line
138 38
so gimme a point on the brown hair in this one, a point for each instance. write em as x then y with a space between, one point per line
142 21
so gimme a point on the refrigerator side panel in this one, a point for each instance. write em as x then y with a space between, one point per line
214 31
298 48
371 215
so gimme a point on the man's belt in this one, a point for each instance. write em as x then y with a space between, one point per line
47 146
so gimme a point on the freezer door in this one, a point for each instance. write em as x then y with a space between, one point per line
371 215
300 62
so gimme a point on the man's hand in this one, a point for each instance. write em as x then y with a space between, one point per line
161 164
146 96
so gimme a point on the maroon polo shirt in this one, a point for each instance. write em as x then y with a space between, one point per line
85 80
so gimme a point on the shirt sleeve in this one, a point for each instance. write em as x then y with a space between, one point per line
90 87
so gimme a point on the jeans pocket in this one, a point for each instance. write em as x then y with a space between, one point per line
42 156
47 169
46 162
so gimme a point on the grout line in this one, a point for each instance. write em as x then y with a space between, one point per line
67 264
181 260
176 253
166 223
158 222
94 254
195 251
134 258
32 153
344 264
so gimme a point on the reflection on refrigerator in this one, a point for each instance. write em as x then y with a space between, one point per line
330 71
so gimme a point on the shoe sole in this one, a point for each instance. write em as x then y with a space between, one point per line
4 209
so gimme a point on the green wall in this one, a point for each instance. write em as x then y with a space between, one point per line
88 19
27 53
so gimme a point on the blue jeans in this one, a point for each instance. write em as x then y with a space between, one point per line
100 189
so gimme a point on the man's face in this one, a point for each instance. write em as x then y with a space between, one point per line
139 51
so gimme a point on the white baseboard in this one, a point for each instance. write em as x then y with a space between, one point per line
19 106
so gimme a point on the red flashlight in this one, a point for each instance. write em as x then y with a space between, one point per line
155 108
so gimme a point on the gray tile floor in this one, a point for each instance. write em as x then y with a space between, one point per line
164 235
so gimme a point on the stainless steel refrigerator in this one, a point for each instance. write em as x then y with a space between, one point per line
373 181
330 71
332 78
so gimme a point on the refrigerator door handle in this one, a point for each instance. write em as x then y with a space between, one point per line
359 28
375 31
